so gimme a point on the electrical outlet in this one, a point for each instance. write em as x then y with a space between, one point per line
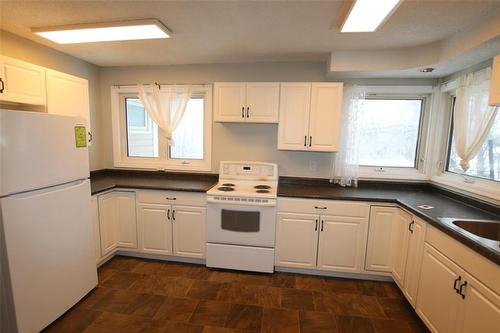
313 166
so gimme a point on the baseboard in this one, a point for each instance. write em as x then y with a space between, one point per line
160 257
357 276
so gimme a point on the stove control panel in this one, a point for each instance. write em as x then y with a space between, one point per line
248 170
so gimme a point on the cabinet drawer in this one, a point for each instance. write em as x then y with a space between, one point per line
329 207
172 198
481 268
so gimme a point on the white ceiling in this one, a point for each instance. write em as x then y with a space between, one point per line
242 31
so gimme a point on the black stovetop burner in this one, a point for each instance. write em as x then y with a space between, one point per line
225 188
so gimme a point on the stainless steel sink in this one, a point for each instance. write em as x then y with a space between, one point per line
482 228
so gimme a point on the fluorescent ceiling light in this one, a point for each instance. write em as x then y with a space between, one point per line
104 32
368 15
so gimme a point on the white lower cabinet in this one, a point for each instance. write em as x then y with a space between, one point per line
321 241
400 245
95 227
188 224
155 228
108 223
414 259
342 243
381 234
296 240
117 221
438 300
450 297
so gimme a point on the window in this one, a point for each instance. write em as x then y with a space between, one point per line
390 132
138 141
486 164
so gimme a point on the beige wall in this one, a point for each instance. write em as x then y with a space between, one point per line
230 141
26 50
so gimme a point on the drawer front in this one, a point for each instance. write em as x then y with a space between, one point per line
171 198
324 207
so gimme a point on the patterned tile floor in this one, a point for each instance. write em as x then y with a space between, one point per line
138 295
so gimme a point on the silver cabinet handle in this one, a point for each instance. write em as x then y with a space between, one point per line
462 286
248 112
322 224
316 227
171 198
310 141
2 86
305 140
320 207
242 112
457 280
168 214
410 226
173 215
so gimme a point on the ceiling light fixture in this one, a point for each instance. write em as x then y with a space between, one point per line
104 32
368 15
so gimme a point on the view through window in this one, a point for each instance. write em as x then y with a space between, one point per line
486 164
390 132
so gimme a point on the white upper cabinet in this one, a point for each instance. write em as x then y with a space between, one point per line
67 95
324 119
253 102
293 128
21 82
262 102
310 116
495 82
230 101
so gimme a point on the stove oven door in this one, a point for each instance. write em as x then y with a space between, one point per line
241 224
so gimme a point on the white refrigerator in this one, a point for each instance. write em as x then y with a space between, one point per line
46 240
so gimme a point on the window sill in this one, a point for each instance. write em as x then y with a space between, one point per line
201 166
484 189
392 174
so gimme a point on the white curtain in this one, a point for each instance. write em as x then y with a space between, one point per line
473 117
165 105
345 162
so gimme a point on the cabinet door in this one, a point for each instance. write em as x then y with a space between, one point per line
342 244
437 302
495 82
479 310
127 222
188 225
262 102
414 259
22 82
324 120
95 226
295 102
229 101
380 238
400 246
68 95
296 240
108 223
155 229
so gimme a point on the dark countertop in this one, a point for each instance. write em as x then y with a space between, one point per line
104 180
446 205
409 196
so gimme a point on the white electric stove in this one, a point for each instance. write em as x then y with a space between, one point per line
241 217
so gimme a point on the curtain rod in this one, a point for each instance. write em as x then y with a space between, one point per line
159 84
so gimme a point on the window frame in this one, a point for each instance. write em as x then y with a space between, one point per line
163 162
485 189
420 172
